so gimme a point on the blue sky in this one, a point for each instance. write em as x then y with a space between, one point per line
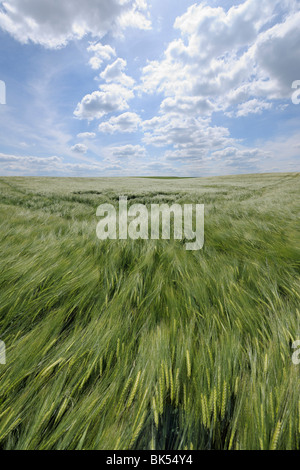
149 87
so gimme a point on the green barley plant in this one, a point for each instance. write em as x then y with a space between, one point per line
123 344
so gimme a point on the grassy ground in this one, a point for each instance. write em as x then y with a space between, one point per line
143 345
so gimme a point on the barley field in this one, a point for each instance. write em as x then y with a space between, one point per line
142 344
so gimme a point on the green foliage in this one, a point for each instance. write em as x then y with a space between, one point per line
143 345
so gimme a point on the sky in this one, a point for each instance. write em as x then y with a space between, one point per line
149 87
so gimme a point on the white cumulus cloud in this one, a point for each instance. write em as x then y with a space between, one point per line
110 98
126 122
126 151
53 23
223 58
100 53
86 135
115 73
79 148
